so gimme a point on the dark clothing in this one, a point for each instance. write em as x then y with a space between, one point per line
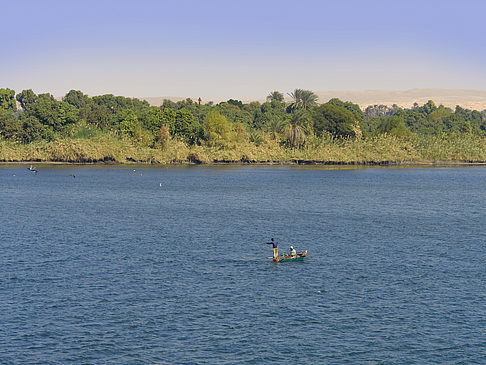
274 243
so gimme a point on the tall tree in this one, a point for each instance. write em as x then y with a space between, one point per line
217 129
186 126
7 99
76 98
275 96
303 99
53 113
335 120
294 131
395 126
274 126
26 98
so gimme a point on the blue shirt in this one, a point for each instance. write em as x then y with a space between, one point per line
274 243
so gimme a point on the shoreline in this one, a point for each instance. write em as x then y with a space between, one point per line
258 163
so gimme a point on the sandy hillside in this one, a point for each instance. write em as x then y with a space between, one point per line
470 99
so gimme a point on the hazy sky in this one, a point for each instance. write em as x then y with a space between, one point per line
240 49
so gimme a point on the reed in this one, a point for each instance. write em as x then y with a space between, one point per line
106 147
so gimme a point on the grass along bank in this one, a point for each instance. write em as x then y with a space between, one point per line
374 150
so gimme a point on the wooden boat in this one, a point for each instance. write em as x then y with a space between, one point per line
284 258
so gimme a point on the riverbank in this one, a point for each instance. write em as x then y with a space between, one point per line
376 151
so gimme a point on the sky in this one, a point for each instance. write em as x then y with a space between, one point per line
240 49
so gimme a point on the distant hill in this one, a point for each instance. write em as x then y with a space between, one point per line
469 99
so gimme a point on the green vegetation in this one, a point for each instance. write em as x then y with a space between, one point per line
111 128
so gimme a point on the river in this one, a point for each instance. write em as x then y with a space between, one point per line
136 265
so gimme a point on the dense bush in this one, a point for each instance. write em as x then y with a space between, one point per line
292 124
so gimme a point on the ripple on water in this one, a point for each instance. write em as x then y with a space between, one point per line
113 270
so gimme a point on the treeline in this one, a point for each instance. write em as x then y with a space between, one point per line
428 119
292 124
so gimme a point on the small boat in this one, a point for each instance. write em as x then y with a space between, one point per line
284 258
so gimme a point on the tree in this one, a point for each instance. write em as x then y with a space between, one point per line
10 125
434 123
274 126
429 107
353 108
395 125
381 111
275 96
294 132
7 100
26 98
53 113
302 99
127 122
33 130
77 99
119 103
100 117
455 123
23 129
163 136
234 114
237 103
154 118
252 107
269 112
217 130
185 126
335 120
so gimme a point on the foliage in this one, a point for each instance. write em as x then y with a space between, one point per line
302 99
237 103
271 131
127 122
7 100
270 117
275 96
379 111
185 126
52 113
294 135
395 126
336 120
217 130
26 99
163 136
235 114
353 108
77 99
295 131
100 117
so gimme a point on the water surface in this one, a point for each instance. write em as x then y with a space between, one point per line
168 265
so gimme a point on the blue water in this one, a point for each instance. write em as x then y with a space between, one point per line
136 265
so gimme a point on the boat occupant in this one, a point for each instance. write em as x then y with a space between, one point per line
275 247
292 251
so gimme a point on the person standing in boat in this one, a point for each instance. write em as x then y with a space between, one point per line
292 251
275 247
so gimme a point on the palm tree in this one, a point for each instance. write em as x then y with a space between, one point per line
296 97
274 125
302 99
275 96
294 132
309 99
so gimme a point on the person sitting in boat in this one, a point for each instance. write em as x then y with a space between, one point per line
292 251
275 247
